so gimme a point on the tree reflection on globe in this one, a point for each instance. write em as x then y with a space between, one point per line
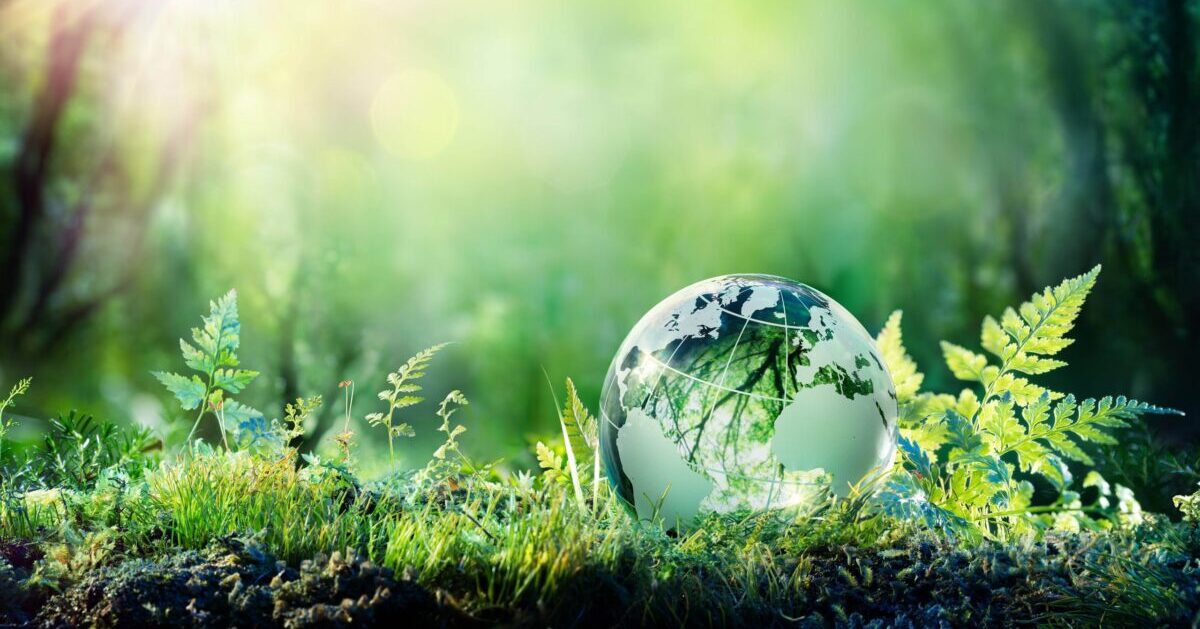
744 392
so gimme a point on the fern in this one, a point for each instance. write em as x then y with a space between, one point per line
583 428
903 368
962 451
404 385
214 359
6 424
552 465
580 441
451 404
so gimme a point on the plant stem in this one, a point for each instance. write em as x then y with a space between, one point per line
200 415
208 390
596 476
1030 510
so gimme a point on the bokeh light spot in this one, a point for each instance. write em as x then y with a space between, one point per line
414 114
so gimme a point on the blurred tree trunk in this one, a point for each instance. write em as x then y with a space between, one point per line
1145 128
40 307
31 168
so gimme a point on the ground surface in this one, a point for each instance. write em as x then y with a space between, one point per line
920 584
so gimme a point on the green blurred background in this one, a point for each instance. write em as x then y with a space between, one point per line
528 178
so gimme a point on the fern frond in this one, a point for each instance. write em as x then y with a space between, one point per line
220 335
213 354
190 392
403 382
905 376
551 464
1024 337
963 363
999 425
580 425
1058 431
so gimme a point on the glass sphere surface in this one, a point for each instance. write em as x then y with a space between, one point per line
744 392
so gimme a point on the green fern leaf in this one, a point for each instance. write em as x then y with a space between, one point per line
551 463
189 391
219 337
962 437
195 358
235 412
906 378
999 424
1039 326
233 380
579 425
963 363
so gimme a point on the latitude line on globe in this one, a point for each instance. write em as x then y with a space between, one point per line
717 386
725 474
773 323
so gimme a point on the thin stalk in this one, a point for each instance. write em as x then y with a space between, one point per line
596 476
1033 510
203 401
208 390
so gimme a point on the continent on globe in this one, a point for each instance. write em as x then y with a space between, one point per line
744 392
659 473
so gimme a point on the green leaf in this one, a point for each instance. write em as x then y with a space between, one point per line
219 337
905 376
963 440
407 401
233 380
195 358
189 391
963 363
999 424
578 424
918 461
551 463
994 339
235 412
1037 414
1022 390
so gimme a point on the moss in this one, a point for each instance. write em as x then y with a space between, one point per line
1148 575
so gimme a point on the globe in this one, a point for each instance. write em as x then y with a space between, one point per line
744 392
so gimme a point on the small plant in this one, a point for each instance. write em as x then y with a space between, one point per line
6 424
450 405
78 450
961 454
345 438
400 396
214 358
1189 506
580 440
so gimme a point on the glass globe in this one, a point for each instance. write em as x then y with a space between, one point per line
743 392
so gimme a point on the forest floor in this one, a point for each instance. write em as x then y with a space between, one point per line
486 555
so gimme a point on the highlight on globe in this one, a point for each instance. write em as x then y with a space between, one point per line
382 313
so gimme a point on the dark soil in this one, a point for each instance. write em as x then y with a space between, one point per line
19 554
234 584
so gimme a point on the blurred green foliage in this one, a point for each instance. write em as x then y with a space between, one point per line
527 179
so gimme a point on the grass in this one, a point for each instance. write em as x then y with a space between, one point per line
99 527
512 550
